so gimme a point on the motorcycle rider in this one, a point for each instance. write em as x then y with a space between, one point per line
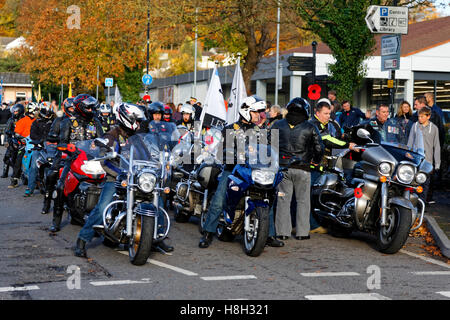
155 113
330 132
249 112
187 117
107 119
17 113
38 133
168 112
82 126
381 127
69 110
22 130
129 117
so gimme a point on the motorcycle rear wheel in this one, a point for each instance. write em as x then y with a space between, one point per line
141 240
391 238
255 239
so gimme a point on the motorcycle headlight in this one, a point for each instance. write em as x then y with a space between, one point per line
421 178
263 177
405 173
384 168
146 182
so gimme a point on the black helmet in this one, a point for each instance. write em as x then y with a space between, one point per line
85 105
68 103
45 113
156 107
128 115
298 105
18 110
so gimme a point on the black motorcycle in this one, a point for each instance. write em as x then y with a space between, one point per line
374 190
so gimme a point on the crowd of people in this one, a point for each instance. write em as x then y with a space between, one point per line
305 131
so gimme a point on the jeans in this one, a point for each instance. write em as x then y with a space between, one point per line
218 203
312 221
96 216
299 181
32 172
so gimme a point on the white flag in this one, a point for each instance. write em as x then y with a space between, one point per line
214 112
117 96
237 95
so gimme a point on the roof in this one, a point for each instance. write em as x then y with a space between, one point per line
15 78
421 36
6 40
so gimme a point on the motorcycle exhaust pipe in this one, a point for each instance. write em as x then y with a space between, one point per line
332 217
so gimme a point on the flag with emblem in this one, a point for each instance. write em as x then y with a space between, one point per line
214 113
237 95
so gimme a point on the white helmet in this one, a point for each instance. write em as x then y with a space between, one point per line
128 115
105 108
187 108
252 103
32 107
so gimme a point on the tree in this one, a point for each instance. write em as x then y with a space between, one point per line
8 15
109 34
238 26
341 25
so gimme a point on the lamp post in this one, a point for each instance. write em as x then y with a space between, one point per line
277 63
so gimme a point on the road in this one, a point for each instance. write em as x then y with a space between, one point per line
38 265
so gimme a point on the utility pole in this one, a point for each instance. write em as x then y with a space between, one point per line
194 89
392 78
277 63
148 41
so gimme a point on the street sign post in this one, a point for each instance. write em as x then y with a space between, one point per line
383 19
390 52
109 82
147 79
300 63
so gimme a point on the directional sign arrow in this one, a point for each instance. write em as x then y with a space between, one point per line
370 18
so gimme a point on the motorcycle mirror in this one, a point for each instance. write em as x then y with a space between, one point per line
363 133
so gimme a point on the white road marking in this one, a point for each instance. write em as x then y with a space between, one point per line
26 288
352 296
218 278
117 282
444 293
436 262
432 273
168 266
330 274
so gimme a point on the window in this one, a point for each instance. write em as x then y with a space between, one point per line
440 89
378 92
21 96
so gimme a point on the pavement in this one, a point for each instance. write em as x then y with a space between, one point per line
437 218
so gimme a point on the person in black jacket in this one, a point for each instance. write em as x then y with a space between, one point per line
83 126
17 113
300 147
249 115
5 114
38 134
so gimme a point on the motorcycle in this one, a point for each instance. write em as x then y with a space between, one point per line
250 195
136 216
47 154
374 190
80 180
193 191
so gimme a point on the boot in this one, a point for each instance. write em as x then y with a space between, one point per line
162 246
5 171
47 204
14 183
274 242
80 249
206 240
57 217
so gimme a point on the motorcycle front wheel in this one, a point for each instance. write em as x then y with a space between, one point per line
256 236
391 238
141 240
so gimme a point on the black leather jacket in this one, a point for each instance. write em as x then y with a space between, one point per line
302 141
78 129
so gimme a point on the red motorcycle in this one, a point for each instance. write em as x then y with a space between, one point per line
80 180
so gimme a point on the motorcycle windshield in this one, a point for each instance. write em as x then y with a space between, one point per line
261 157
145 148
89 147
402 152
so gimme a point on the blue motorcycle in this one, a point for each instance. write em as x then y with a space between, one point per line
250 194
